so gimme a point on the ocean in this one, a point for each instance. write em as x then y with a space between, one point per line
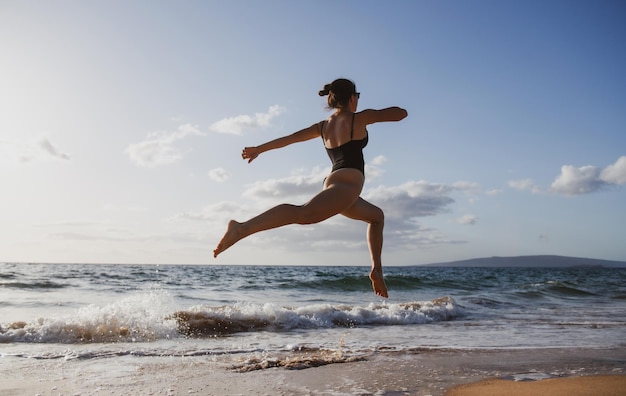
252 317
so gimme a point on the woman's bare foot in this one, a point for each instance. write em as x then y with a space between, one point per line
378 282
231 237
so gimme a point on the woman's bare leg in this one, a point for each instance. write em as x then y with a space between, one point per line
374 216
331 201
275 217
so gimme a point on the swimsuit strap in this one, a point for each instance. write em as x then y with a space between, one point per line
352 128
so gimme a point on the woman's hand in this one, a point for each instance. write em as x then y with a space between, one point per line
250 153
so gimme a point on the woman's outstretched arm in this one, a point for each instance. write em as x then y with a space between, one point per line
250 153
370 116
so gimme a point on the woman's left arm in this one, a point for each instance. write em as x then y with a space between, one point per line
370 116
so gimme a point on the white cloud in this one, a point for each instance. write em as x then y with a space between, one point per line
466 186
158 148
299 187
575 181
36 150
129 209
379 160
587 179
402 205
263 195
236 125
219 174
583 180
412 199
525 184
218 213
123 236
52 150
373 168
470 189
494 191
468 219
616 173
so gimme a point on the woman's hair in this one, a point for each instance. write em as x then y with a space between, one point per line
339 93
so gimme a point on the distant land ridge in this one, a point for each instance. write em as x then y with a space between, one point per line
545 261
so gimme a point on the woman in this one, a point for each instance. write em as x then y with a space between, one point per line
344 136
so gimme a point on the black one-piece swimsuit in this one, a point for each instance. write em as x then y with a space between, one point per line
348 155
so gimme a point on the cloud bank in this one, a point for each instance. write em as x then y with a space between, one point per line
403 205
40 149
468 219
236 125
574 181
412 199
219 175
296 188
525 185
52 150
159 148
588 179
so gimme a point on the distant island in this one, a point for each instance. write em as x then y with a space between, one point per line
532 261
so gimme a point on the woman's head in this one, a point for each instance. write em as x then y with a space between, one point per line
339 93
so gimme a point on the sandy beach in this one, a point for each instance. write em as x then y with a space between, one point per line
418 372
600 385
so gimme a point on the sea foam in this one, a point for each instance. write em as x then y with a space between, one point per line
139 317
149 316
241 317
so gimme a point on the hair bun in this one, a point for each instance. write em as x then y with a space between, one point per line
325 91
339 93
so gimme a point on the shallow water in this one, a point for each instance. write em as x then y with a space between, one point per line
52 311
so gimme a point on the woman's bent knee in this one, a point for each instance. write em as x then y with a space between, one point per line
379 217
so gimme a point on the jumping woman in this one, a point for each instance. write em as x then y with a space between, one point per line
344 135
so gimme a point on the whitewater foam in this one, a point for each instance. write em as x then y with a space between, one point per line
139 317
240 317
147 317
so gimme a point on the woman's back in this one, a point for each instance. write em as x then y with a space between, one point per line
346 150
341 128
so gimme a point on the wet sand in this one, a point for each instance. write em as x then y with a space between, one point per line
418 372
600 385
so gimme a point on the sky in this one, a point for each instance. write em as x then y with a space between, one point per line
122 125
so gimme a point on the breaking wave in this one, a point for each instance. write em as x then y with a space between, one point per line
149 317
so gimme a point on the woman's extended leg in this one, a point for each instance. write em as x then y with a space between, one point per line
333 200
374 216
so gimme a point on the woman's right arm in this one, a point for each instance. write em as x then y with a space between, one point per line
371 116
250 153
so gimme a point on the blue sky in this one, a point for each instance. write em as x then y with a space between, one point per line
123 122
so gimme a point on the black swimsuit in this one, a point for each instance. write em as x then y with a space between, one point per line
348 155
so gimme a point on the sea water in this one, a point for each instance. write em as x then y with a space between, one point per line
81 311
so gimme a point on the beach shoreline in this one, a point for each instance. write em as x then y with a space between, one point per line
414 372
